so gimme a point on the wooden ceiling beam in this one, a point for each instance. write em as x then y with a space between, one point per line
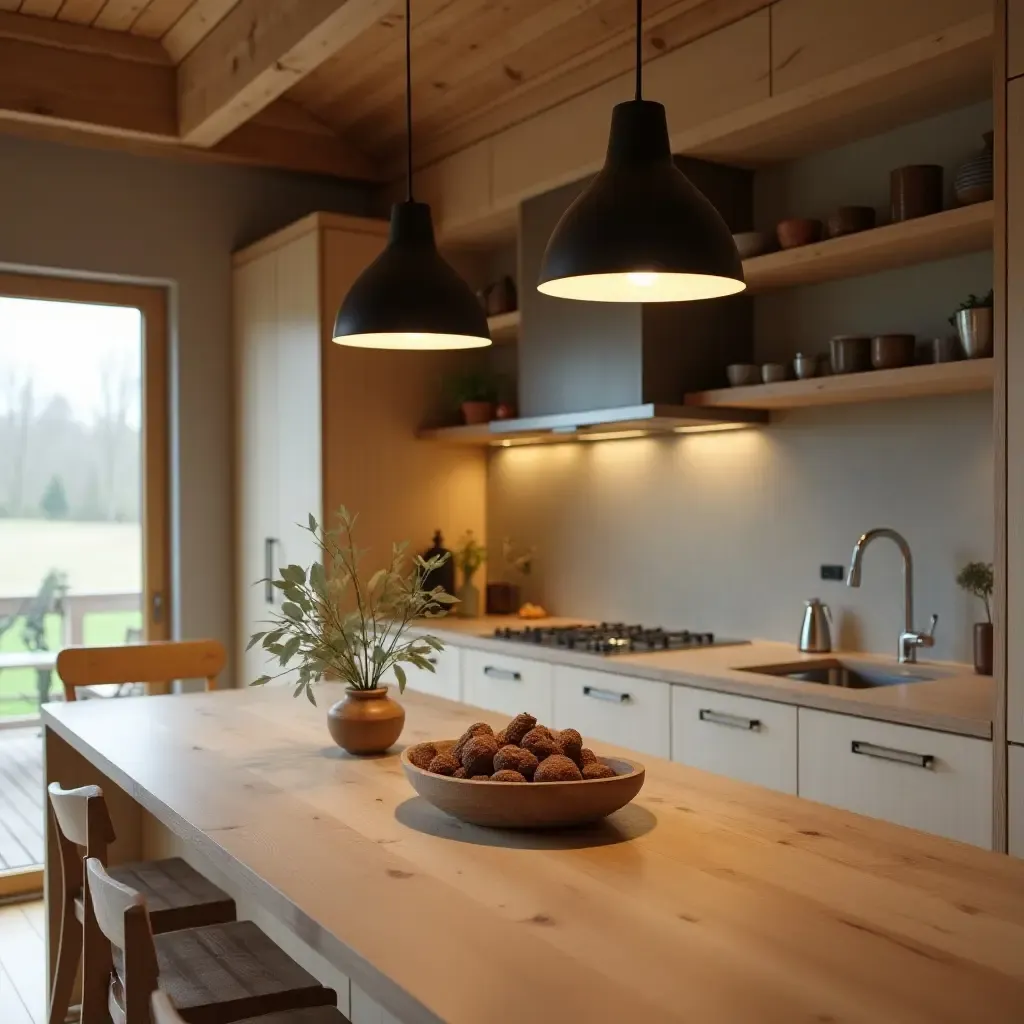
257 52
70 81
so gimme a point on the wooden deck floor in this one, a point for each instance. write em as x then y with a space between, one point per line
21 798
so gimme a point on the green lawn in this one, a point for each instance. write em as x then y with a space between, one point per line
18 686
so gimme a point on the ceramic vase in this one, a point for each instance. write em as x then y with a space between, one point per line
469 599
366 721
975 329
973 180
983 648
474 413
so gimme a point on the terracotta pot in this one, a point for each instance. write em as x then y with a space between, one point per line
366 721
477 412
915 191
502 598
797 231
848 220
983 648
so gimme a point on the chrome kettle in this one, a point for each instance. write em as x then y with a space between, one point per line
816 632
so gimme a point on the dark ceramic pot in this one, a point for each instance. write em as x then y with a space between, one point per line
983 648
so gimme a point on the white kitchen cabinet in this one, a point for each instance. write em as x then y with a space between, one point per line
932 781
444 681
1016 794
365 1010
629 712
741 737
506 684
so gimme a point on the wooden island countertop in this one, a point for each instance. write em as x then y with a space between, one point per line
706 900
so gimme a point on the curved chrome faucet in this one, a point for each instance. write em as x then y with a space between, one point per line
910 640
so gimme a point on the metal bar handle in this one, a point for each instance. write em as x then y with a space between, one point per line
268 568
892 754
502 673
601 694
731 721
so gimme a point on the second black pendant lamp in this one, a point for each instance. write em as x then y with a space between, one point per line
640 232
410 297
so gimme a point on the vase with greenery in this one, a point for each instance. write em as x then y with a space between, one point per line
335 624
977 578
469 556
973 322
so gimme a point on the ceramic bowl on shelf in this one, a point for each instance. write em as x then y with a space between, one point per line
848 220
805 366
773 373
754 243
743 374
797 231
527 805
891 351
850 353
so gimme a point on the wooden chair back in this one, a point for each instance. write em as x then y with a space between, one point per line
164 1011
84 829
156 664
118 914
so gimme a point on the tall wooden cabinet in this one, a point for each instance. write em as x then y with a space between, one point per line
319 425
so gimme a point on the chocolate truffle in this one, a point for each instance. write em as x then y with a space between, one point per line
557 768
571 743
508 776
476 729
422 754
540 744
515 759
501 738
443 764
478 755
460 774
597 770
519 727
587 756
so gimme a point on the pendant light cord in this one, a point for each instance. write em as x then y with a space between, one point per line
408 100
639 47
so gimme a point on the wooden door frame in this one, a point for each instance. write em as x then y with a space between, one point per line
151 301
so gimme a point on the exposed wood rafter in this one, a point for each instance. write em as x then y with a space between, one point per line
261 49
59 78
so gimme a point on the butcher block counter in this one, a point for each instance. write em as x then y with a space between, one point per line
706 900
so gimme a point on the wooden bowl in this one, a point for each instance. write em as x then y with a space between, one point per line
797 231
527 805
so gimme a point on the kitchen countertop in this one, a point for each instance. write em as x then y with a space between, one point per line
960 702
705 900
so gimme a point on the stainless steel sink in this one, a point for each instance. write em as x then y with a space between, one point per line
848 673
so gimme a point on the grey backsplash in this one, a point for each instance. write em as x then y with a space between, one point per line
728 531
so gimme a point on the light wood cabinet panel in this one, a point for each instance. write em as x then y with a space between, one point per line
444 681
811 39
508 685
629 712
741 737
932 781
1015 407
1016 793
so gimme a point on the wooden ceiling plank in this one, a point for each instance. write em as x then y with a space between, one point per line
118 15
256 53
678 25
159 18
40 8
194 26
80 12
72 82
82 39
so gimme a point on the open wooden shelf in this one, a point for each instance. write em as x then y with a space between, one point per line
936 237
842 389
504 327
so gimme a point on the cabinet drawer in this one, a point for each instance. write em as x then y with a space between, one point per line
444 681
928 780
628 712
744 738
509 685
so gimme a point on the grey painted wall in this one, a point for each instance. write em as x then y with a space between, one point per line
76 210
727 531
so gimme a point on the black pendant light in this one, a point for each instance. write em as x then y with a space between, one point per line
410 297
641 232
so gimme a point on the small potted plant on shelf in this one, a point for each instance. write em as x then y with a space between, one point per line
335 624
469 556
475 394
973 322
977 579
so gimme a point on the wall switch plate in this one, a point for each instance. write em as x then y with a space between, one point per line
833 572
